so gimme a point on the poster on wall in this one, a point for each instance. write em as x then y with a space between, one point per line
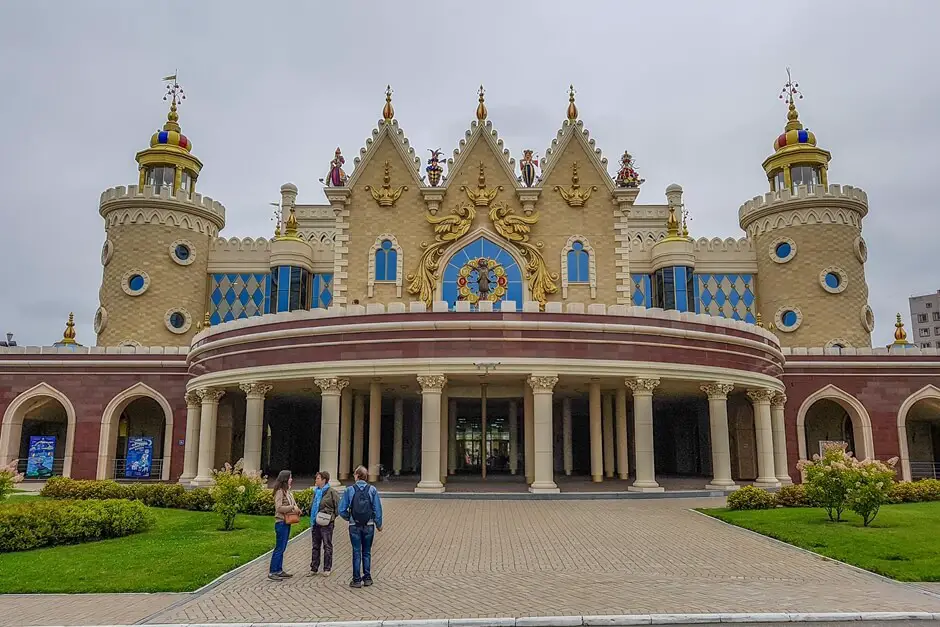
41 454
139 457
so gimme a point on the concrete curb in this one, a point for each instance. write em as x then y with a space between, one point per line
560 496
621 620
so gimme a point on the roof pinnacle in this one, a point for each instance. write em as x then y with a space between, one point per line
481 108
388 111
68 337
900 335
174 93
572 108
791 89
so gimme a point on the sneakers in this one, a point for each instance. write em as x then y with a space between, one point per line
275 577
284 575
355 584
327 573
367 581
312 573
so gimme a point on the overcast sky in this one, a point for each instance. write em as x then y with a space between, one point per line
690 88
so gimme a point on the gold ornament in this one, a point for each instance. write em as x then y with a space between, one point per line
900 335
447 230
481 108
482 197
516 229
385 196
68 337
574 195
388 111
572 108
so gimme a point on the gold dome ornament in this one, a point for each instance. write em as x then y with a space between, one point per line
481 108
388 111
68 337
758 321
900 335
572 107
386 196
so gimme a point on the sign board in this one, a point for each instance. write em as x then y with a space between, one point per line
41 454
139 457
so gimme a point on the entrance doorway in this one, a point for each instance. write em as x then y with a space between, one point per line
482 450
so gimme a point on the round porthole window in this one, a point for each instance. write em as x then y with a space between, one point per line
101 319
782 250
107 251
135 282
181 251
838 342
868 319
788 318
178 320
832 279
861 249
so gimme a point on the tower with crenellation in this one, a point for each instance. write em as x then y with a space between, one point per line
156 252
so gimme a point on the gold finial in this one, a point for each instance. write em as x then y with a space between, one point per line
388 111
574 195
483 196
572 108
207 321
386 196
174 93
672 224
68 337
685 224
900 335
481 108
791 89
290 227
758 321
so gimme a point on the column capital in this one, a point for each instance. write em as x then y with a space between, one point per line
542 383
210 395
761 396
717 390
641 386
432 382
254 389
331 385
192 399
779 400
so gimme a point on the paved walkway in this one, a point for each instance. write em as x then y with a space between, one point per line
438 559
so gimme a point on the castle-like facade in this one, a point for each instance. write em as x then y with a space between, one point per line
529 318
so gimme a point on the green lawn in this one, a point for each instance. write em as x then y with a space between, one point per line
183 551
903 542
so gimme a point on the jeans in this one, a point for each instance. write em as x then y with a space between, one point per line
361 539
281 536
324 536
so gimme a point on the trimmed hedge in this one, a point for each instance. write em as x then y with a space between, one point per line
793 496
170 495
915 491
35 524
750 497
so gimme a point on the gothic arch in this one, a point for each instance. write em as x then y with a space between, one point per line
11 429
592 264
399 263
861 421
107 438
928 391
466 243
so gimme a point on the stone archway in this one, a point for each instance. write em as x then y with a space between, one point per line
482 244
110 423
28 402
928 399
856 412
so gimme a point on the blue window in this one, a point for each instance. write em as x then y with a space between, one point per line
783 250
833 280
674 288
182 252
136 283
177 320
386 262
788 318
505 277
578 264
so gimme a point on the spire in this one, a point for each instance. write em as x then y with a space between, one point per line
174 93
388 111
481 108
68 337
791 89
672 225
572 108
900 335
759 322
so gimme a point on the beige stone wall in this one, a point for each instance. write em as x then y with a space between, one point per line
796 283
141 318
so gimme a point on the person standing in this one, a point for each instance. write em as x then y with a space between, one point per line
362 507
323 512
286 513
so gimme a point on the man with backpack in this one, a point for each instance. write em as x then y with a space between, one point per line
362 507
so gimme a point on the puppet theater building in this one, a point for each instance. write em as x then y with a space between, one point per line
527 323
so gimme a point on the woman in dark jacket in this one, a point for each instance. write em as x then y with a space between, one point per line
323 511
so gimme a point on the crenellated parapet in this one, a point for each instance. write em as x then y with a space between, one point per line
727 245
144 205
234 244
818 204
174 351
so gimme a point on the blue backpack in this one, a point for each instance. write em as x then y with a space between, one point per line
361 510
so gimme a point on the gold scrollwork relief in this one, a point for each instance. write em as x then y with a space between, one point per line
516 230
447 230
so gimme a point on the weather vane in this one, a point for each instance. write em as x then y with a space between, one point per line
173 90
790 90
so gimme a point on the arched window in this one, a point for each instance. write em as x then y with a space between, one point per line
385 263
578 265
386 258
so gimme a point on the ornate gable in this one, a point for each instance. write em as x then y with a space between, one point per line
387 130
573 130
480 131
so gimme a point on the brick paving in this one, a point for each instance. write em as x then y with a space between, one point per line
459 558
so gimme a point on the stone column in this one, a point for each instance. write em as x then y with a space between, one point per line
513 437
566 435
359 430
643 434
399 434
542 386
760 398
191 448
431 388
375 428
778 426
254 423
207 423
528 427
608 424
597 446
623 454
451 436
345 438
445 423
720 440
331 390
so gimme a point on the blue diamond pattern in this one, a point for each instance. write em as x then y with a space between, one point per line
641 290
727 296
234 296
322 291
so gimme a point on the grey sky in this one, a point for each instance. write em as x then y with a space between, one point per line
690 88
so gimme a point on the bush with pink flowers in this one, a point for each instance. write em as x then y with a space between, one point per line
8 479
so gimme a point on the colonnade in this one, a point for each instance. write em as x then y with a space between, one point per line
343 418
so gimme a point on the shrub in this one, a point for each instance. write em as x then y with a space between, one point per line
869 483
235 491
8 478
750 497
826 479
304 499
35 524
928 489
197 500
262 504
793 496
82 489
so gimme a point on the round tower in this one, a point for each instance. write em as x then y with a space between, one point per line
807 236
291 261
156 252
673 261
